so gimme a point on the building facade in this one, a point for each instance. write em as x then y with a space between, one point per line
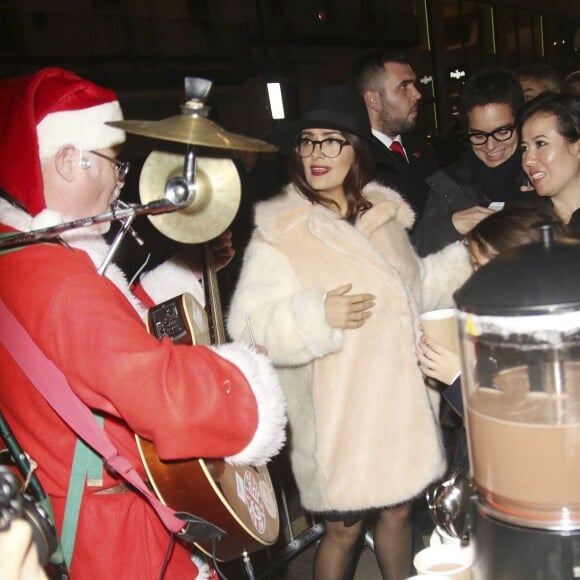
144 48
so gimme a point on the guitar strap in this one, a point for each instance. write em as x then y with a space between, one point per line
87 465
53 386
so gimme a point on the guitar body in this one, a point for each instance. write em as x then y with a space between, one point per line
238 499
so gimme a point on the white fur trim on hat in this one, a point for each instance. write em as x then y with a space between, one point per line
47 218
84 128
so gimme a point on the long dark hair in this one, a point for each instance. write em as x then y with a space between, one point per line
360 173
515 225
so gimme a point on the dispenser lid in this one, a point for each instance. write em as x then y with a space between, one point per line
538 278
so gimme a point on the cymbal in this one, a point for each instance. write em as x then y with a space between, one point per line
216 202
194 130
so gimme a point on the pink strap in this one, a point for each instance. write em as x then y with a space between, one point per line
54 387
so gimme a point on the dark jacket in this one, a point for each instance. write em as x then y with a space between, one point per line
574 225
455 438
462 185
406 178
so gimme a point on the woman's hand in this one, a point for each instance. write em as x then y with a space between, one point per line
466 219
350 311
437 362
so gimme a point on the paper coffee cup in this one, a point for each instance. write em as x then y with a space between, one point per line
448 561
441 325
428 577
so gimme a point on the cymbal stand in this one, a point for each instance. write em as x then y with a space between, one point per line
179 191
296 543
125 227
116 213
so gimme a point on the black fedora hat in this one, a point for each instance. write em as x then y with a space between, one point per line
337 107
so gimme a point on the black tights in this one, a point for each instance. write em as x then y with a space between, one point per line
392 542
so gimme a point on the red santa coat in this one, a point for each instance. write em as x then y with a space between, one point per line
188 400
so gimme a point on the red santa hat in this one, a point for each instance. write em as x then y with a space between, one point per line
42 112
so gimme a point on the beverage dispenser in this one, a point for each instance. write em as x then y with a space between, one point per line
519 329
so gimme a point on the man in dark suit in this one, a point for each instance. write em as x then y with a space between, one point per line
386 82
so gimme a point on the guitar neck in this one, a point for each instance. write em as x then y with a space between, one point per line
212 297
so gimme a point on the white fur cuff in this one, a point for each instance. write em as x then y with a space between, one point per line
310 315
270 433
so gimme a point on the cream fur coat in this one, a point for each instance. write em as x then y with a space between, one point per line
363 427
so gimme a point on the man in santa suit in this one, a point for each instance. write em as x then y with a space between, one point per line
57 164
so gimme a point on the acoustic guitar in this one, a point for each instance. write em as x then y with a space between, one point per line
238 499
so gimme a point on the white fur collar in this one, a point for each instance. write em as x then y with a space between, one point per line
283 212
85 239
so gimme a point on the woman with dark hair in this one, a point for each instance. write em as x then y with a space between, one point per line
332 288
550 129
489 173
359 175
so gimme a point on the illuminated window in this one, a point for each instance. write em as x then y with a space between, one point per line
276 102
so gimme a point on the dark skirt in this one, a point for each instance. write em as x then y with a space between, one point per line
350 518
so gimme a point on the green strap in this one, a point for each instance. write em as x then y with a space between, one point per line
86 465
58 557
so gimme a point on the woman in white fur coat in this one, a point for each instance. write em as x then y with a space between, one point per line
331 286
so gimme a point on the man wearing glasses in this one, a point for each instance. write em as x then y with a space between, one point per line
58 163
489 172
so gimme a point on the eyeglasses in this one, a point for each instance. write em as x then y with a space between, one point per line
329 147
499 134
121 167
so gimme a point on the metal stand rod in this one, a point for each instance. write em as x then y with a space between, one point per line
300 543
21 459
370 540
296 543
126 224
153 208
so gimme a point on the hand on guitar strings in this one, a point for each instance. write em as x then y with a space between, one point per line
222 250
